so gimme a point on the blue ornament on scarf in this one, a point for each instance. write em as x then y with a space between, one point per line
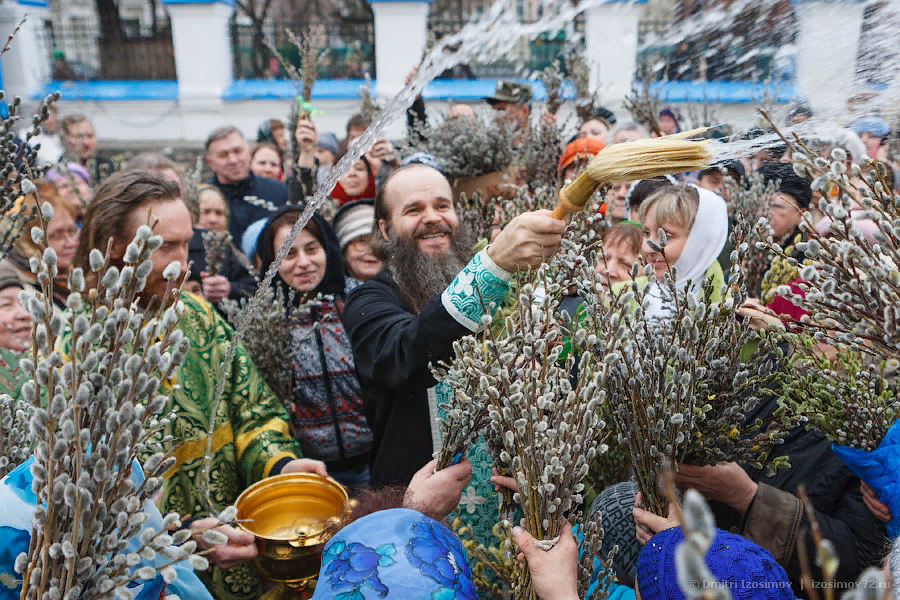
880 469
397 553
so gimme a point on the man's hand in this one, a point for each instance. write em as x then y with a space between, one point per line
307 137
725 482
875 506
529 240
215 287
305 465
436 494
241 546
554 572
647 524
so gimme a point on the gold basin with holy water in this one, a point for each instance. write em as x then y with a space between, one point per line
290 516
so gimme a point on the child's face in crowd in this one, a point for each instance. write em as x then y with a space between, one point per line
212 212
676 237
617 266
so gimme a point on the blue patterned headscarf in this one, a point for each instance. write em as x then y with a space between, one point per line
397 553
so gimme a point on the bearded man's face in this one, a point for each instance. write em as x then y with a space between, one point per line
426 247
420 204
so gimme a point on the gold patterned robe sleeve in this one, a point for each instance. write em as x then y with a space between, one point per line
262 436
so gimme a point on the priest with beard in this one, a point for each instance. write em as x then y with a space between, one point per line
431 293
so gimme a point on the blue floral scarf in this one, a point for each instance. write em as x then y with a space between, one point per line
397 553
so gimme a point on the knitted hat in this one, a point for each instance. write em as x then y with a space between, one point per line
583 148
615 504
397 553
791 184
9 277
748 571
353 220
328 141
872 125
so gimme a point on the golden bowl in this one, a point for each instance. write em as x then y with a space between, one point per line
289 514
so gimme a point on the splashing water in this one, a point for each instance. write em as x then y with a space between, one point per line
493 37
488 39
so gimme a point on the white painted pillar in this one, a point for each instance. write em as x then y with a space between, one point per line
26 65
611 36
827 45
203 60
400 35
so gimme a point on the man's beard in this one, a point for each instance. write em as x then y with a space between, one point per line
419 276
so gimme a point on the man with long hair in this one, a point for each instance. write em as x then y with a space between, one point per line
252 438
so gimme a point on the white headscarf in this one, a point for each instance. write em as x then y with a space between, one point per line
704 244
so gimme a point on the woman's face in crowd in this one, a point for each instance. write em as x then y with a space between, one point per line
617 267
212 212
593 129
356 180
676 237
784 216
360 261
62 236
304 266
265 163
15 323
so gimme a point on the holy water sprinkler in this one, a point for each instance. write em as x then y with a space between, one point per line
633 161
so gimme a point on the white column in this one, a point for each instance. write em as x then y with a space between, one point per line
400 33
203 59
611 36
827 45
26 65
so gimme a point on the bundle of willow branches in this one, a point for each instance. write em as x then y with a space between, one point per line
94 380
544 424
683 387
849 284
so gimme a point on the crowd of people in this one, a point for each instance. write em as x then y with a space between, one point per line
397 281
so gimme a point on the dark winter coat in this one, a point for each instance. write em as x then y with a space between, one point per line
776 518
243 284
327 407
393 348
252 199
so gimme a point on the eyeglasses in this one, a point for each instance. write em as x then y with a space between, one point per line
63 234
